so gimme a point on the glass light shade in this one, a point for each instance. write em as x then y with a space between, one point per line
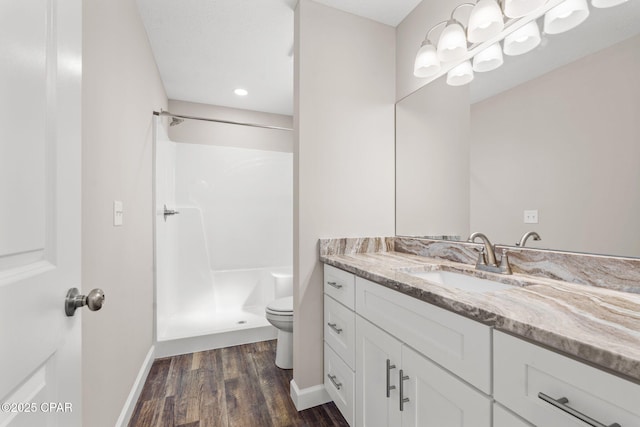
518 8
453 43
485 21
522 40
606 3
427 63
488 59
565 16
460 74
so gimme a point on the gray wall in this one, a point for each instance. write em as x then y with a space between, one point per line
208 133
343 154
121 87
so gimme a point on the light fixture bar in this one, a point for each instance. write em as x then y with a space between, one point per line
510 26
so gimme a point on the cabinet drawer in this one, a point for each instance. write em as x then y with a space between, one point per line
523 370
340 330
339 382
459 344
339 285
504 418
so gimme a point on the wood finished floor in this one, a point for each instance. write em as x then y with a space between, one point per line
230 387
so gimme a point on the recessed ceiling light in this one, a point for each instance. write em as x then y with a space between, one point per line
241 92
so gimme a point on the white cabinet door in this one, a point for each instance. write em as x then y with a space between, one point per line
437 398
40 80
378 357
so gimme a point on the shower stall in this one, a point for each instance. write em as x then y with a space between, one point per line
223 232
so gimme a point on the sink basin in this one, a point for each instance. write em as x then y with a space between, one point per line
460 281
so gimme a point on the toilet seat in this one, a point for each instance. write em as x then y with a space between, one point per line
281 306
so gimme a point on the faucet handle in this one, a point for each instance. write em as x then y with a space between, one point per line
505 267
482 260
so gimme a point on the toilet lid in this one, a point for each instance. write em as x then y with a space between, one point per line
281 305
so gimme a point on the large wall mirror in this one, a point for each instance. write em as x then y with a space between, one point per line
555 131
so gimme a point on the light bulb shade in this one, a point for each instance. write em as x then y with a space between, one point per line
460 74
427 63
488 59
601 4
519 8
565 16
453 43
485 21
522 40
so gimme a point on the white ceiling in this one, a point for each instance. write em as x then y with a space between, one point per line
207 48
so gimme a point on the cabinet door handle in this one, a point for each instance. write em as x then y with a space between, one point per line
333 380
389 386
562 405
334 327
335 285
403 399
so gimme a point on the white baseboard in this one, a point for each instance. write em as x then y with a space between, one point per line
308 397
136 389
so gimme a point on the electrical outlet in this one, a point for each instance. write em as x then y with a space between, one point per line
531 217
118 213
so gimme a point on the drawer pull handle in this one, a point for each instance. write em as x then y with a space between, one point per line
389 386
403 399
334 327
333 380
335 285
562 405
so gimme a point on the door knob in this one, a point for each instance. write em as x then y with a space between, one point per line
93 300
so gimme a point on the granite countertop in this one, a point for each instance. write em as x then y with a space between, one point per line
596 325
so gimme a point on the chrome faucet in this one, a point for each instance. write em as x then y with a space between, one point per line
525 236
487 256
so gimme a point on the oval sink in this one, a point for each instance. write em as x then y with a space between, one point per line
460 281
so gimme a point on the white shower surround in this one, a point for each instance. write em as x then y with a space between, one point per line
214 260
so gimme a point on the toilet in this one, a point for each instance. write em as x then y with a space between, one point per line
279 313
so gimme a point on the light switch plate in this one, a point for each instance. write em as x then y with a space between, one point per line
117 213
531 217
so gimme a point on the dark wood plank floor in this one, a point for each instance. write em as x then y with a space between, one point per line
236 386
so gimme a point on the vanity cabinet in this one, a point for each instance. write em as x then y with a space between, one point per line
393 360
397 386
543 387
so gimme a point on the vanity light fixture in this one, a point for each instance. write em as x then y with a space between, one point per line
460 74
565 16
453 40
487 26
427 62
485 21
601 4
520 8
489 59
522 40
241 92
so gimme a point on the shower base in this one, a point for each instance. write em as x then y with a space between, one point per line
190 332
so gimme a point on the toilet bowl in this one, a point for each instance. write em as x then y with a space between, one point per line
280 314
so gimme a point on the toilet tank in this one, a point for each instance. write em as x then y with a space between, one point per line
283 284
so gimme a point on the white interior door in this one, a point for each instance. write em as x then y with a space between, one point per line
40 81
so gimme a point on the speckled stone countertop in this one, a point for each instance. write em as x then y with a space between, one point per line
596 325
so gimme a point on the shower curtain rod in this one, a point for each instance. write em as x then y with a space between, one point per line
229 122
